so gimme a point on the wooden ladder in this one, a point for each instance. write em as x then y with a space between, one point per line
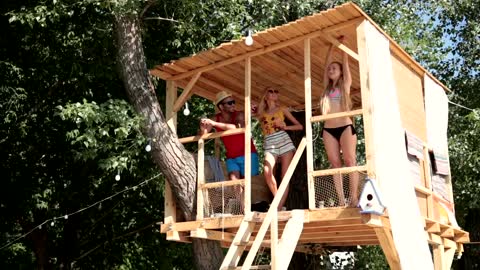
281 250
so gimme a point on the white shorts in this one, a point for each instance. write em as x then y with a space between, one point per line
278 143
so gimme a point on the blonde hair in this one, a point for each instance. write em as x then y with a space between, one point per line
263 106
345 97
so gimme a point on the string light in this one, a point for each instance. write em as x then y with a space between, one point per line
148 147
117 177
186 112
52 220
249 38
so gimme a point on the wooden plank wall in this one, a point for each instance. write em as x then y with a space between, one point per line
412 112
410 95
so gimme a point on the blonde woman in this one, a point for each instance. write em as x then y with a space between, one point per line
277 144
339 135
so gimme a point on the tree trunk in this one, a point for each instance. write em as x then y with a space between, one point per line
168 153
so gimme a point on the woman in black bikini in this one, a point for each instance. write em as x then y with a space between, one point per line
339 135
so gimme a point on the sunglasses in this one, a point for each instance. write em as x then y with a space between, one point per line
271 91
230 102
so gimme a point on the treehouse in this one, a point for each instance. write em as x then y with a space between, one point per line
406 201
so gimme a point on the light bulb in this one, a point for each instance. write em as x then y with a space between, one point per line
186 112
148 148
117 177
52 223
249 39
65 217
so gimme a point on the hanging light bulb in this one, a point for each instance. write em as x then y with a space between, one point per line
65 217
52 223
249 38
117 177
186 111
148 148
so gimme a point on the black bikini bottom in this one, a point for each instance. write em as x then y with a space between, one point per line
338 131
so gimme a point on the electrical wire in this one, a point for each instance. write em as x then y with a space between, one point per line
78 211
461 106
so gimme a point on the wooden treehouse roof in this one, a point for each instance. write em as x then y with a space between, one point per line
277 59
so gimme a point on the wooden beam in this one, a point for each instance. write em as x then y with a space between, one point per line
339 170
212 135
372 220
170 215
207 223
449 254
260 51
366 103
336 115
308 123
212 235
248 136
439 257
388 246
340 26
178 237
186 92
340 45
200 179
226 183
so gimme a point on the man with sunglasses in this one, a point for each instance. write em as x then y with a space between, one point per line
230 118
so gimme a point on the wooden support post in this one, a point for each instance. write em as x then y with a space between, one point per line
248 136
201 179
439 257
385 238
366 104
170 205
449 255
308 123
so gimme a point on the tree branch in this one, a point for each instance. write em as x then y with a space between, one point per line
160 18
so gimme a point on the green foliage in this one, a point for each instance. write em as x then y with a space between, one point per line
370 257
109 133
66 129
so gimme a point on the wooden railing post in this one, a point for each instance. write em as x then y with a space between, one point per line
201 179
170 215
308 124
248 136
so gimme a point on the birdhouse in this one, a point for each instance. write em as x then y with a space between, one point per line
370 199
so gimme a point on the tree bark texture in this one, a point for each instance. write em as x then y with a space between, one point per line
168 153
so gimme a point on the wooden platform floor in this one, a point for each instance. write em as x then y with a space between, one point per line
322 228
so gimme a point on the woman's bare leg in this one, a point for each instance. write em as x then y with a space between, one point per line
348 144
285 162
268 165
332 147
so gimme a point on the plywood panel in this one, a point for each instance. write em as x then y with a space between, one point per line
410 98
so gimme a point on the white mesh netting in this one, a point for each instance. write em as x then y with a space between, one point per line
223 201
340 190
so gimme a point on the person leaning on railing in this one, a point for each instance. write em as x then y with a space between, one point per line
229 118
